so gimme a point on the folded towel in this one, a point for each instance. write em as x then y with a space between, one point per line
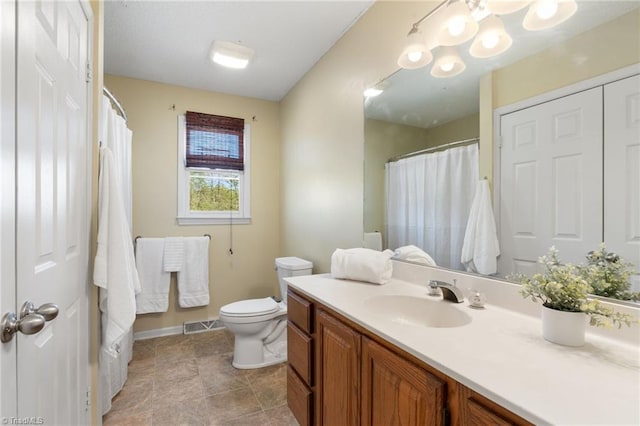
362 264
372 240
414 254
193 278
481 249
154 279
173 253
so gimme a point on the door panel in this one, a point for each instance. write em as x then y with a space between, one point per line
622 170
551 181
52 218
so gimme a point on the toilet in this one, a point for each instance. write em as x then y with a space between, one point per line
260 325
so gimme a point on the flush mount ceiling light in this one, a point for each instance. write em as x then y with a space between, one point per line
458 25
492 39
544 14
229 54
448 63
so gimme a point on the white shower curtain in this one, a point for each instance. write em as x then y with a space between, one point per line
428 200
113 365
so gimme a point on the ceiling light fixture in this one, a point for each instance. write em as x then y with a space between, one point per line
229 54
544 14
454 22
376 89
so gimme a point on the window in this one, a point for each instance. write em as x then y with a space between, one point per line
213 169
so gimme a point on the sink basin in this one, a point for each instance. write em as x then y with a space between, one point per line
417 311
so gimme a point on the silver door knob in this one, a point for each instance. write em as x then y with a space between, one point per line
49 310
30 324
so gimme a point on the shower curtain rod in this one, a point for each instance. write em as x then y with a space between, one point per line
115 102
434 148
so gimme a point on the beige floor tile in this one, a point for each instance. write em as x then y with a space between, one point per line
254 419
135 396
119 418
180 391
222 380
232 404
191 413
281 416
171 373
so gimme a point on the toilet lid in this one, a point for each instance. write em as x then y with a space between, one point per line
250 307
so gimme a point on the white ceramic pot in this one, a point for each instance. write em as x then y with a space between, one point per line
564 328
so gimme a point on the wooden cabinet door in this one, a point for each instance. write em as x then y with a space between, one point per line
480 411
397 392
338 372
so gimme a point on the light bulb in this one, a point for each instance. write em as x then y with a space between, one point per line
490 40
414 56
447 66
547 9
456 25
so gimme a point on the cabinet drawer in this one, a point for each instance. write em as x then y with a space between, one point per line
299 352
300 312
299 398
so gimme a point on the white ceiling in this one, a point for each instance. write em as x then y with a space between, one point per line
416 98
169 41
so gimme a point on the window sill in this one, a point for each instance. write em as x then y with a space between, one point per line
213 220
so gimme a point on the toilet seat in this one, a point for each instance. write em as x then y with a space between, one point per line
251 310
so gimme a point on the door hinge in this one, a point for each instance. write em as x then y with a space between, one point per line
87 402
89 72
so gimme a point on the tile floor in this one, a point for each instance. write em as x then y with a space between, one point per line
189 380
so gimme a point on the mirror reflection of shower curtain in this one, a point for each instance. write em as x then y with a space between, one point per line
428 199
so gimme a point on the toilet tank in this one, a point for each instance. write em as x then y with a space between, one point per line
291 267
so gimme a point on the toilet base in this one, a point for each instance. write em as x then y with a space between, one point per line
251 353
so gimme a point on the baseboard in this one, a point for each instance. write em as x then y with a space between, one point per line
158 332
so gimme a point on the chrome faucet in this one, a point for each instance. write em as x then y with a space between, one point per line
449 291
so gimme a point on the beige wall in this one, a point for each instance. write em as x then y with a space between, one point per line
249 272
323 135
384 140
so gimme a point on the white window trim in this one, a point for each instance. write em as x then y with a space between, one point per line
185 216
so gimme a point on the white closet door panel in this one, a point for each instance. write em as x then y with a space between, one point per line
551 181
622 170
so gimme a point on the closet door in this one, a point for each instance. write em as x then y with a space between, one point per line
551 181
622 170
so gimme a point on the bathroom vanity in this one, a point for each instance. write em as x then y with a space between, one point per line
367 354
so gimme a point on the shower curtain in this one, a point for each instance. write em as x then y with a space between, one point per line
428 200
113 362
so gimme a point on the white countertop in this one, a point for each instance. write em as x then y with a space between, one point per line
501 354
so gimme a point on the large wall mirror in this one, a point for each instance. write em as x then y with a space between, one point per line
420 113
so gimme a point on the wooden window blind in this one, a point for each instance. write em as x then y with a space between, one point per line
214 141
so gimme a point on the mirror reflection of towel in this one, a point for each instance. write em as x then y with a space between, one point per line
481 249
414 254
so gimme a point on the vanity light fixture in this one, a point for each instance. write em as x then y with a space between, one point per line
505 7
230 54
454 22
543 14
448 63
416 53
492 39
458 26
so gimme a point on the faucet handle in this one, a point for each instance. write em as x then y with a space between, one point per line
434 290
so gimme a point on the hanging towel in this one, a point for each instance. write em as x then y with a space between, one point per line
114 267
154 279
173 254
193 278
480 249
372 240
414 254
362 264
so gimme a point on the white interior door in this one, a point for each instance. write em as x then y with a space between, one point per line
52 219
551 181
622 170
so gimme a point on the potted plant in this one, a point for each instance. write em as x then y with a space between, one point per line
563 291
608 275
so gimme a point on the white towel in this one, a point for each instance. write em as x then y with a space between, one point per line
114 266
372 240
362 264
154 280
173 254
480 249
414 254
193 278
